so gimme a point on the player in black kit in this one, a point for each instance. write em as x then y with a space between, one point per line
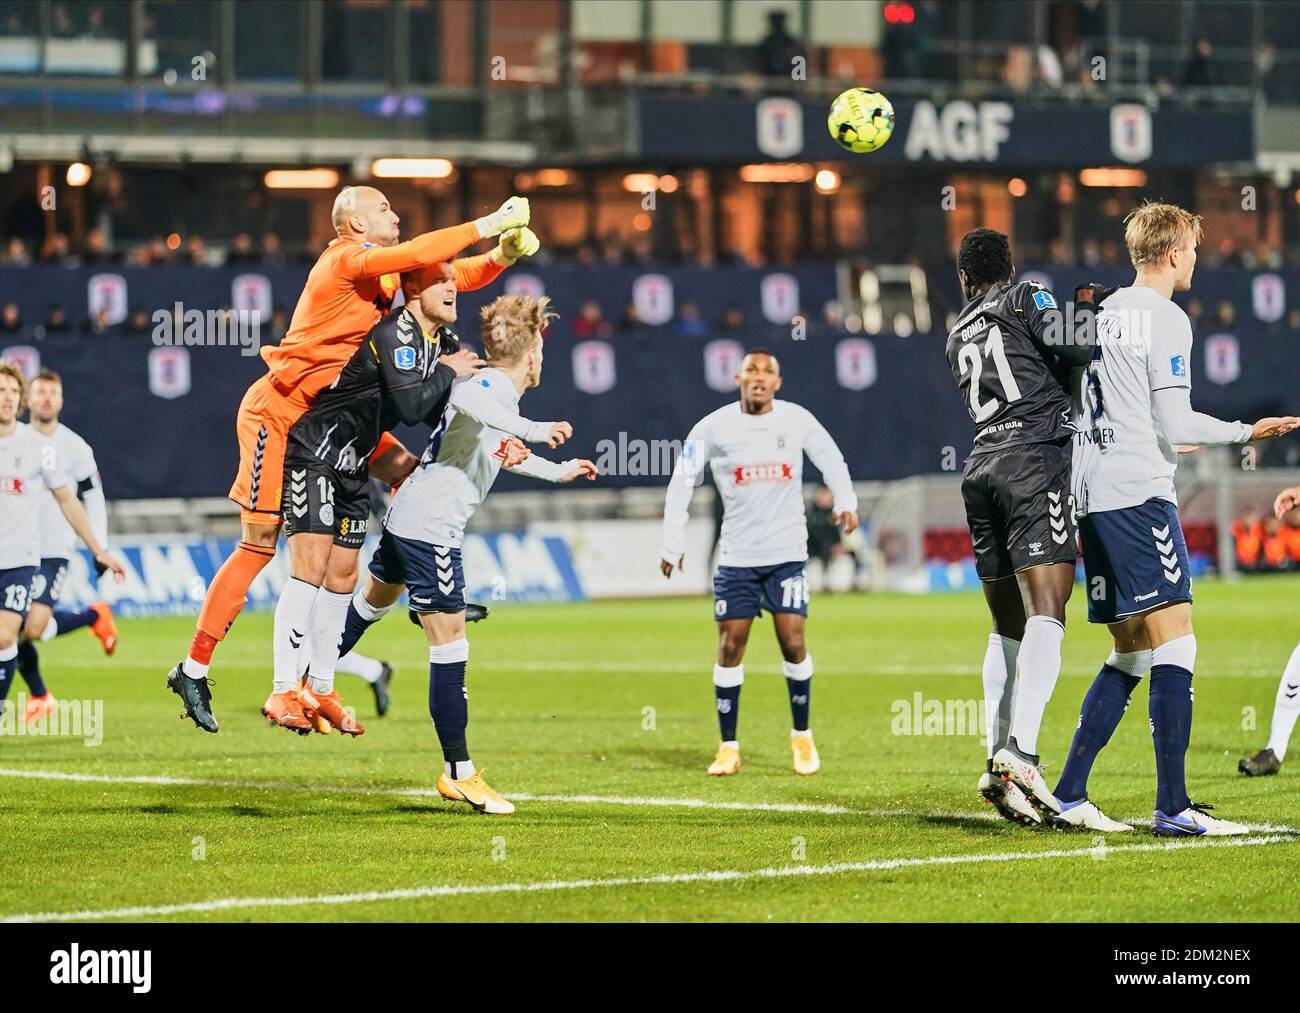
1011 357
403 371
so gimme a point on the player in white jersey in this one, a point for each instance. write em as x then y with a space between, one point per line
755 449
1136 412
420 547
1286 706
45 620
29 466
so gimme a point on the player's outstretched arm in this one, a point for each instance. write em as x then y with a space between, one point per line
76 515
1184 426
440 245
1287 499
476 272
556 471
825 453
479 403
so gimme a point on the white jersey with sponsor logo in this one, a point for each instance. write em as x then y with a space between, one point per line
1121 457
757 463
29 467
463 459
76 461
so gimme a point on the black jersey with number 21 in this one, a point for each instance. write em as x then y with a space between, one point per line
1016 391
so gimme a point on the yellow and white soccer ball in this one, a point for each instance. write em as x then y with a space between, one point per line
861 120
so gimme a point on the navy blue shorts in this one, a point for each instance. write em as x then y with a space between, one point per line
47 585
743 592
1134 560
16 589
434 579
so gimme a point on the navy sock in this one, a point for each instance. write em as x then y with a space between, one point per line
1171 733
1103 706
7 667
29 666
449 708
354 627
727 699
73 619
800 701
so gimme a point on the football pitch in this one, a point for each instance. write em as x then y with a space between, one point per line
598 720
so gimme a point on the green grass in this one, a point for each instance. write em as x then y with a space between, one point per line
559 706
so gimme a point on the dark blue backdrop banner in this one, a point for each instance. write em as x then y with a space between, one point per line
161 418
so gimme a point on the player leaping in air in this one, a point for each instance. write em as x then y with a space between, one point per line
420 547
350 287
29 466
755 448
45 620
404 372
1286 707
1136 412
1011 358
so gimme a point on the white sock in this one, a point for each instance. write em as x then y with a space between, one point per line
51 629
292 624
1037 669
459 770
354 663
195 670
1286 708
370 613
327 620
999 688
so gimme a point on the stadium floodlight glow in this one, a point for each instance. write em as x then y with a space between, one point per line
827 181
777 172
1017 187
644 182
555 177
411 168
1112 176
78 174
301 179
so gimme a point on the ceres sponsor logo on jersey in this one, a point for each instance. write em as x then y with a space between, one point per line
747 473
11 485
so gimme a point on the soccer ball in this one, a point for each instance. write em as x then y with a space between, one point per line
861 120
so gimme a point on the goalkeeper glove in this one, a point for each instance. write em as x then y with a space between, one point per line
515 243
512 214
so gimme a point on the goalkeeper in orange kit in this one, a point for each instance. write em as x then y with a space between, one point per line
348 290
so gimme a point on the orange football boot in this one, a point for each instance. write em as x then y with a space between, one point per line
285 710
38 707
103 627
329 707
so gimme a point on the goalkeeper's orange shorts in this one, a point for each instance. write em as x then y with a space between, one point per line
262 428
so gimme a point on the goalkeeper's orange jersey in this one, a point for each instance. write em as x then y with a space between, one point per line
348 290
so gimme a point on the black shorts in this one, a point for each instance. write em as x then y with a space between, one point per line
1019 508
321 500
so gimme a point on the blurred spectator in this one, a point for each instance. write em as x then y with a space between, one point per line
58 249
138 321
1276 554
95 249
1195 313
196 251
732 320
279 323
632 322
689 322
778 49
241 251
1248 535
611 249
272 251
1199 73
591 322
1111 255
98 324
1090 253
16 252
823 534
56 322
1018 69
1225 315
11 320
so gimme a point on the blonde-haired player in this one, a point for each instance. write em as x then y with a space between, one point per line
1136 412
420 547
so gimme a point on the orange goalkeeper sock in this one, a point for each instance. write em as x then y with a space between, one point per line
223 602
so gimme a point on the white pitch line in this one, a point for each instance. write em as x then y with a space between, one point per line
165 780
714 876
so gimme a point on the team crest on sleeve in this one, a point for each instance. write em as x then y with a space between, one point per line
1044 300
404 357
1178 365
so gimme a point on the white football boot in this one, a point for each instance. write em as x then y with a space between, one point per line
1194 821
1026 774
1086 816
1008 800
